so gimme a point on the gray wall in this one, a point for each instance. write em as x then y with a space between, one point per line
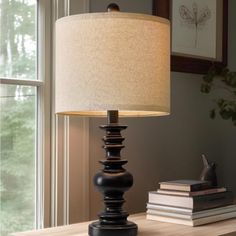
165 148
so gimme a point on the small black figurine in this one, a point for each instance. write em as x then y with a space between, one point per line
209 171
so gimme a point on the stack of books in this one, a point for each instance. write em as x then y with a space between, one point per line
190 202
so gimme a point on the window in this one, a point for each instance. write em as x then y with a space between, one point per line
23 115
18 127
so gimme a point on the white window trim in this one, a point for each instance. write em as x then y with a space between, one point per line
68 152
44 114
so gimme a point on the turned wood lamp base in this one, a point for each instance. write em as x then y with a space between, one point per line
112 182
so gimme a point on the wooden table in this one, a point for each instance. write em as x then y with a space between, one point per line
146 228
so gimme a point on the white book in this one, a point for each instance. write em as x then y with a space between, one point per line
196 203
195 222
194 215
185 185
168 214
194 193
187 213
170 208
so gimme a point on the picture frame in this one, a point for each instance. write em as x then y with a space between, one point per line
184 61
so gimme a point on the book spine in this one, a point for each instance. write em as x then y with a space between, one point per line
169 214
196 203
190 194
169 220
172 192
169 208
185 187
196 215
196 222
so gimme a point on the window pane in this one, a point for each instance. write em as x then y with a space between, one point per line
17 158
18 45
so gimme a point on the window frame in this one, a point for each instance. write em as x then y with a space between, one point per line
43 116
43 197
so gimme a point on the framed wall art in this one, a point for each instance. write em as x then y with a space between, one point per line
199 33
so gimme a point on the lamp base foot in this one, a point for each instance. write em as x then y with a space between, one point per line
129 229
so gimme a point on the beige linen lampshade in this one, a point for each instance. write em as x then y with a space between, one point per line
113 61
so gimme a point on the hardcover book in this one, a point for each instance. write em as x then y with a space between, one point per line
196 203
194 193
182 210
191 215
194 222
185 185
186 211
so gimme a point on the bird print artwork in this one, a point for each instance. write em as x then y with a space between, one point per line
195 17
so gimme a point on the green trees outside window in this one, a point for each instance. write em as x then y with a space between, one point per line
18 108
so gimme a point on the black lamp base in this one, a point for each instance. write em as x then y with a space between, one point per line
113 181
129 229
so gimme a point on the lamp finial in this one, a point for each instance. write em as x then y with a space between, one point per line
113 7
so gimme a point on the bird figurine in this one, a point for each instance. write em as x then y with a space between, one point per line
209 171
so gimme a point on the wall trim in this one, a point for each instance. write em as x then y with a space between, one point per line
63 147
66 166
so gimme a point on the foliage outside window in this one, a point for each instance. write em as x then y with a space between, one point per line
18 108
225 80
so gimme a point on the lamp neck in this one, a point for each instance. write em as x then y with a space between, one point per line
112 116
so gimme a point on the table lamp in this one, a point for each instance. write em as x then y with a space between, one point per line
113 64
